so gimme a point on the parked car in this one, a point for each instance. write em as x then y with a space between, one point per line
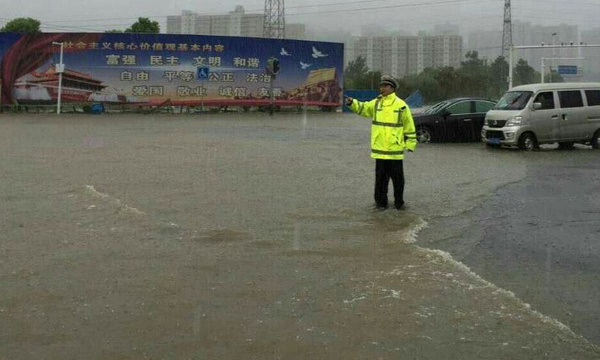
454 120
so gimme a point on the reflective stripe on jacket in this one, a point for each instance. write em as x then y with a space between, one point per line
392 129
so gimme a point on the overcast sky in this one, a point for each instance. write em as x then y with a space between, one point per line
318 15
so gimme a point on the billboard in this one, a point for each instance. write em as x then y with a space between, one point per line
157 69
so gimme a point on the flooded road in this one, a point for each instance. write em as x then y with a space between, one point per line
244 236
539 238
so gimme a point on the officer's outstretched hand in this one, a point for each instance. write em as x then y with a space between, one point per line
348 100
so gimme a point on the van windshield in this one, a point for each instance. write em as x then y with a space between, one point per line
513 100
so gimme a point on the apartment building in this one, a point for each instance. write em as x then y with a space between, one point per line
400 56
235 23
488 44
592 54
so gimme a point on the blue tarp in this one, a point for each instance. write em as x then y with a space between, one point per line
415 100
97 108
361 95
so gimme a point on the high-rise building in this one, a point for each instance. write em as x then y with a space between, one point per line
591 64
235 23
488 44
524 33
400 56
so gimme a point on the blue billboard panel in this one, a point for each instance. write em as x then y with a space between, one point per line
154 69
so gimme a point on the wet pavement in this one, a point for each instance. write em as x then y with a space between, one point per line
539 238
244 236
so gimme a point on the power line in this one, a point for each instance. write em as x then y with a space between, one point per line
117 25
259 11
394 6
562 2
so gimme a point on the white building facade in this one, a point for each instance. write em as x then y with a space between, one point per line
400 56
235 23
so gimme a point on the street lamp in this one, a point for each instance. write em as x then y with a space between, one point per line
59 68
553 54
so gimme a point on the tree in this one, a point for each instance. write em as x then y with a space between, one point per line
473 60
355 73
426 83
144 25
22 25
475 75
525 74
371 80
555 77
447 79
498 77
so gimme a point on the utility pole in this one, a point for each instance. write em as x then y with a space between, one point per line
506 29
553 55
59 68
274 19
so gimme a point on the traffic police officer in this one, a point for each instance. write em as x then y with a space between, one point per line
392 133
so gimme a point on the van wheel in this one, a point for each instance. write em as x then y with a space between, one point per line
423 135
596 140
527 142
565 145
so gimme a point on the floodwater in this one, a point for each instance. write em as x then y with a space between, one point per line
539 237
230 236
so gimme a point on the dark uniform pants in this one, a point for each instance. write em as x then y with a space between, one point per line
384 170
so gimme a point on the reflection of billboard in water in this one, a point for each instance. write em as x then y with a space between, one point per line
154 69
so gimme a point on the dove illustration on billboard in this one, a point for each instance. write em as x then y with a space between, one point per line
317 54
154 69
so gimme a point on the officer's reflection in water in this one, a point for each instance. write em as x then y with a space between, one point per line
392 134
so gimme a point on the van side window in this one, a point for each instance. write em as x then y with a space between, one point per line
546 99
570 99
593 97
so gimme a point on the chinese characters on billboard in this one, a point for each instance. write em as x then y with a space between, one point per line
155 69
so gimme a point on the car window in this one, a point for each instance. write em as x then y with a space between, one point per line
570 99
546 99
463 107
435 108
593 97
483 106
513 100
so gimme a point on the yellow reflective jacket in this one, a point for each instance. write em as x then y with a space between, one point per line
392 129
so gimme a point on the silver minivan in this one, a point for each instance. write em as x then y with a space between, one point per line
529 115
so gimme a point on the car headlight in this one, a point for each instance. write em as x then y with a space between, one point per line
485 122
515 120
